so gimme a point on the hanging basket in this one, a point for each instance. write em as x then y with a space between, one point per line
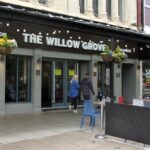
5 50
117 60
106 58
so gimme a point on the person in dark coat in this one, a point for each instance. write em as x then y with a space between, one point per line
86 87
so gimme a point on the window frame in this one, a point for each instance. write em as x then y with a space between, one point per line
108 9
45 2
16 81
82 6
95 7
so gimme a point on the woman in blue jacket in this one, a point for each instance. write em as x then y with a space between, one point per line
74 92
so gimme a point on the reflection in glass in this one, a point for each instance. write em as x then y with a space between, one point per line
58 82
104 78
146 79
17 79
71 71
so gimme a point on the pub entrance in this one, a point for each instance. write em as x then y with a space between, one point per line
56 76
46 84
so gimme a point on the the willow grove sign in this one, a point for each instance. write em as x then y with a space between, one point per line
61 42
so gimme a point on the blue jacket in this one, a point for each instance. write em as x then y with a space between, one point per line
74 88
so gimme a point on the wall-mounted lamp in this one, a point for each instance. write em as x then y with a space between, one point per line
95 64
138 67
2 58
118 66
39 60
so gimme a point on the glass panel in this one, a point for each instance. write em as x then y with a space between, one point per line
108 8
25 0
147 2
22 79
58 82
17 79
120 9
81 4
43 1
95 7
72 70
104 79
146 79
46 84
147 18
11 68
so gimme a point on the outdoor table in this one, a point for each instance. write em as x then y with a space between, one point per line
101 104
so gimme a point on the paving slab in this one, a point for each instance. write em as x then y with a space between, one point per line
56 130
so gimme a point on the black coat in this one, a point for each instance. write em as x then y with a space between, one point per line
86 87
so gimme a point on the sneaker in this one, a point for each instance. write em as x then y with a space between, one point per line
75 111
70 107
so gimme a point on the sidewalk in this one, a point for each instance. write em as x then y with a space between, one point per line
55 130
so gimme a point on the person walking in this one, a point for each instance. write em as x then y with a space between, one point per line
73 93
87 87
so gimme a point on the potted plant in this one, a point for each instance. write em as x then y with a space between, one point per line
118 55
7 45
106 54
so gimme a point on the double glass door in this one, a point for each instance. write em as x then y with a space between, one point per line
56 76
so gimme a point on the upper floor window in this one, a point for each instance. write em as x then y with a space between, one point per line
121 9
25 0
95 7
81 4
43 2
146 12
108 8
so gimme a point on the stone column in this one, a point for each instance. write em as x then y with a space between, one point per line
114 11
2 89
36 80
127 11
34 2
102 10
89 8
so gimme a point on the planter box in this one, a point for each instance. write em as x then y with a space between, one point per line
106 58
5 50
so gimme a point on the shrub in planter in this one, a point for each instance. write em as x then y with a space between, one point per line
106 54
118 55
7 45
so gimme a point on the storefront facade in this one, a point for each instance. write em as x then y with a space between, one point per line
50 51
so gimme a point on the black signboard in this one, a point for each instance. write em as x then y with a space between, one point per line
128 122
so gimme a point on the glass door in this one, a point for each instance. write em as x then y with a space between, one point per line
46 84
72 69
58 82
105 78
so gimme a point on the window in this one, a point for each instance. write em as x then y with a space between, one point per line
146 79
147 12
147 18
43 2
81 4
18 79
95 7
108 8
121 10
104 80
25 0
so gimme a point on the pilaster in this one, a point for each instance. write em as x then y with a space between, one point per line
102 10
114 11
2 86
37 73
89 8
